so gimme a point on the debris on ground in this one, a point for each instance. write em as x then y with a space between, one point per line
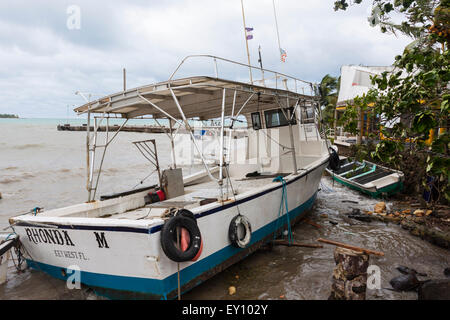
380 207
351 247
432 225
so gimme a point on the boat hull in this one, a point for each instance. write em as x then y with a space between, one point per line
129 262
369 178
373 192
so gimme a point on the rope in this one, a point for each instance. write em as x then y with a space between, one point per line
36 210
232 189
280 212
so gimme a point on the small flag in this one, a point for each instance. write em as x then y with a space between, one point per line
249 33
283 55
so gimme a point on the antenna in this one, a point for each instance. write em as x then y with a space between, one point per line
260 63
124 79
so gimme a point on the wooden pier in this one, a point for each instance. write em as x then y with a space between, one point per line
112 128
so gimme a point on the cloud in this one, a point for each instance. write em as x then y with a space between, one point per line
42 62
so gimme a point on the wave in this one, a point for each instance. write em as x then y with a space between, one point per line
28 146
10 168
10 180
16 178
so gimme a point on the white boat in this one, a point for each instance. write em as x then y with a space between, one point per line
121 244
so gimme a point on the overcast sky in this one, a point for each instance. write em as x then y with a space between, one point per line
43 62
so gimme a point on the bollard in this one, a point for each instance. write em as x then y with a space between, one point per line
349 275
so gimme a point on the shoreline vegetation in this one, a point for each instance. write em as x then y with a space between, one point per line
412 103
8 116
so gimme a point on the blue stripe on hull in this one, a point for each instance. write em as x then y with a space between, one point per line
160 288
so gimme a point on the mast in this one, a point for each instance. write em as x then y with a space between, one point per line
246 42
276 24
282 52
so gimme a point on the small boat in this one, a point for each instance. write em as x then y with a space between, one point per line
368 177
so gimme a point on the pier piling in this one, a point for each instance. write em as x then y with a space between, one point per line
349 275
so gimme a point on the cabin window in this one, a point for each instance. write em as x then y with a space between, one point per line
276 118
256 121
308 115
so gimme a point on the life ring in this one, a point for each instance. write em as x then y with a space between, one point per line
190 238
240 241
334 163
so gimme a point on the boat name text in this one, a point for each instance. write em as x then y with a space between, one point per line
54 236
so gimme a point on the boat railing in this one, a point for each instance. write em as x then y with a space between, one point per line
269 78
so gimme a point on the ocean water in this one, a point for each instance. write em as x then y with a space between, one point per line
46 168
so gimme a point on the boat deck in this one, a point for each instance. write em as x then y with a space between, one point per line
197 195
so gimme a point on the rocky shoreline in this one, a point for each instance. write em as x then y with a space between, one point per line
432 225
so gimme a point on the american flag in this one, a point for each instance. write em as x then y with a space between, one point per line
283 55
249 33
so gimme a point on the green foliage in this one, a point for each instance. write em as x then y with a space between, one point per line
328 97
5 115
417 91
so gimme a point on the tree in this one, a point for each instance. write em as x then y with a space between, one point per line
417 91
328 92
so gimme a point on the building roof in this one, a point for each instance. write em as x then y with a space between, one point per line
355 81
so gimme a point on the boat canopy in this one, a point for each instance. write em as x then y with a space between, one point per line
202 96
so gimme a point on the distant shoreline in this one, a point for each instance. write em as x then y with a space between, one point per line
9 116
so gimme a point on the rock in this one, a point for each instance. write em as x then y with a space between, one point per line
380 207
419 213
419 220
428 212
441 214
407 211
435 290
324 215
231 290
360 217
406 270
405 282
447 272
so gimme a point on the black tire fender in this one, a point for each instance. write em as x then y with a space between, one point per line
233 235
334 163
169 238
